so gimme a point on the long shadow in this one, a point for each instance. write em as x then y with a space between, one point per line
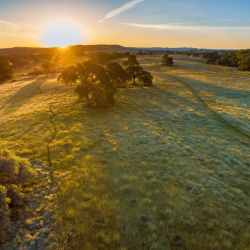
24 95
111 120
113 126
239 130
212 88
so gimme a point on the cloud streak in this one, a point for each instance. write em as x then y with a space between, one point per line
208 21
9 28
182 27
125 7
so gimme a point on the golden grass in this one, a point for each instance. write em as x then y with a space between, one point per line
157 154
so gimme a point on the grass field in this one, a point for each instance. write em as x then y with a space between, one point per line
167 168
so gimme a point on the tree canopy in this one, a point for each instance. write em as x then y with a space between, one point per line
69 75
229 59
48 67
6 72
167 61
135 71
211 61
211 55
117 73
104 57
14 172
131 61
240 59
244 63
92 83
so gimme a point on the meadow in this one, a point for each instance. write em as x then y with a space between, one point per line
167 167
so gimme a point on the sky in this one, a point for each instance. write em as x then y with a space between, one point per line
214 24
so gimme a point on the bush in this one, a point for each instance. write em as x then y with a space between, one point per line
36 72
6 72
4 211
167 61
244 64
211 61
14 172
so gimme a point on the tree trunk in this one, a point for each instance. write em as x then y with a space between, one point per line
87 97
134 81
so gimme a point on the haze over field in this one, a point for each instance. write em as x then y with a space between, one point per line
146 23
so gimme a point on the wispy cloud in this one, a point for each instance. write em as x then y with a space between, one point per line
10 28
125 7
207 21
182 27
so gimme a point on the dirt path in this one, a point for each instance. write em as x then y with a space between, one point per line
239 131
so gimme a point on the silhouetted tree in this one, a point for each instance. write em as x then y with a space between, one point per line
167 61
196 54
5 70
131 61
69 75
146 78
48 67
92 83
135 71
211 61
36 72
117 73
18 61
210 55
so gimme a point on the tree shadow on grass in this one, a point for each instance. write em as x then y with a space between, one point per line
24 95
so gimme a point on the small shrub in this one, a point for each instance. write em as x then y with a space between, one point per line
6 72
36 72
14 172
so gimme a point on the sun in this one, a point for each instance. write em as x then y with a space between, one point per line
61 35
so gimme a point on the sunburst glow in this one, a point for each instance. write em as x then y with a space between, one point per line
61 35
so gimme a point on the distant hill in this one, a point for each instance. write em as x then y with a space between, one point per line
83 48
162 48
32 50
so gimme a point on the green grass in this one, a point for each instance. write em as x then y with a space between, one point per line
158 146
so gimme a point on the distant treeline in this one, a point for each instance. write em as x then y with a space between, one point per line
140 53
104 57
6 71
22 60
239 59
53 50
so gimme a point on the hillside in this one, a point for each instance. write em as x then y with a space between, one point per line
166 168
28 50
100 47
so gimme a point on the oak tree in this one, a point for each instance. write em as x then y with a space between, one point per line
6 72
167 61
135 71
92 83
117 73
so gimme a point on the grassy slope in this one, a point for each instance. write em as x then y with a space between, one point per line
158 146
